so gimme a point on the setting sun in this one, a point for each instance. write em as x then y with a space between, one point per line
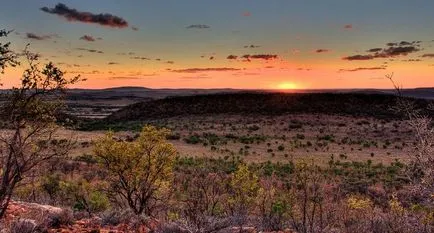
287 86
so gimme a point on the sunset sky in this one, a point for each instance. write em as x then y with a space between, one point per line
252 44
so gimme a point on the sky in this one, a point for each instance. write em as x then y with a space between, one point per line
248 44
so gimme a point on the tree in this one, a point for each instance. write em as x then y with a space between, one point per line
137 170
7 56
29 112
421 166
307 213
244 189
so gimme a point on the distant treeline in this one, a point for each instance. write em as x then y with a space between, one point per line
367 105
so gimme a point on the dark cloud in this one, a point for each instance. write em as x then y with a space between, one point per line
197 70
363 69
211 58
140 58
112 63
358 57
412 60
260 56
348 26
170 62
251 46
70 14
90 50
87 38
428 55
198 26
374 50
33 36
322 51
135 28
393 49
232 57
397 51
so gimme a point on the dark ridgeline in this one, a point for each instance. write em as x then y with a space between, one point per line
370 105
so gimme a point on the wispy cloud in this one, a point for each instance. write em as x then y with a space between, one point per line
33 36
249 57
428 55
348 26
88 38
363 69
198 26
140 58
252 46
90 50
198 70
322 50
71 14
124 78
247 14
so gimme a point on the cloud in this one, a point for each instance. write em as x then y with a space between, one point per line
412 60
33 36
247 14
322 51
124 78
170 62
358 57
428 55
397 51
198 26
112 63
87 38
260 56
304 69
232 57
363 69
251 46
393 49
374 50
140 58
211 58
198 70
200 76
135 28
90 50
70 14
348 26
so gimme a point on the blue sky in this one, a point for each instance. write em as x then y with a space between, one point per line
294 31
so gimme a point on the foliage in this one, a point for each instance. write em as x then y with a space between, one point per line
29 111
138 170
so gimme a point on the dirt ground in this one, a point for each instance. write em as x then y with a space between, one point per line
279 138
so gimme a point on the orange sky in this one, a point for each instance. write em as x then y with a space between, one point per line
249 45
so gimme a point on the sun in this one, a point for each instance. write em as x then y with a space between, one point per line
287 86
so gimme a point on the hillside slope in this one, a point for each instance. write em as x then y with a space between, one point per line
375 105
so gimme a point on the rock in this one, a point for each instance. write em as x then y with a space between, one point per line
23 226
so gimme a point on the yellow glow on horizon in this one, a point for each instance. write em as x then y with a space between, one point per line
287 86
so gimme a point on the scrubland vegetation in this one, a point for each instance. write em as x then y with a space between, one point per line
138 178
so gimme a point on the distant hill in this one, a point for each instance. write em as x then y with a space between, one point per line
137 93
356 104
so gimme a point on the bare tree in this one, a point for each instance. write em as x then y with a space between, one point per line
421 168
28 113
